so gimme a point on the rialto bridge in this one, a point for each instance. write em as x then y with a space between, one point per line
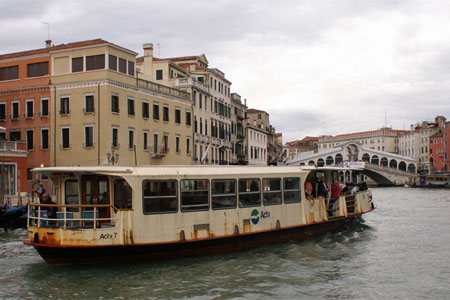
383 167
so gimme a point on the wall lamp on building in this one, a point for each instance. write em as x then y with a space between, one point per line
113 157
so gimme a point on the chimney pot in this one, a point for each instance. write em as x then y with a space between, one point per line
48 43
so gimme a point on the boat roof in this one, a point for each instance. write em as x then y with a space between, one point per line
192 170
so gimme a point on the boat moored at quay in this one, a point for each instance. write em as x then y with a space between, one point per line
118 213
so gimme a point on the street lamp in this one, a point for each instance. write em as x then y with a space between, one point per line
113 157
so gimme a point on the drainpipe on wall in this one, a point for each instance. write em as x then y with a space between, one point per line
54 126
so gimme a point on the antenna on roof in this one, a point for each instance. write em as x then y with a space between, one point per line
385 117
48 29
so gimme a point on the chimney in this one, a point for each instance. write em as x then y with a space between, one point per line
148 49
48 43
245 101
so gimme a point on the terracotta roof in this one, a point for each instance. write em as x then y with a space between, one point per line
56 48
178 58
439 134
253 110
140 59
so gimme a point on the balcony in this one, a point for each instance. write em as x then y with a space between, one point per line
163 89
161 151
190 81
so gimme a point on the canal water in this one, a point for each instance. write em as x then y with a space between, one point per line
399 251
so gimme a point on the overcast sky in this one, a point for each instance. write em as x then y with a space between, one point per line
317 67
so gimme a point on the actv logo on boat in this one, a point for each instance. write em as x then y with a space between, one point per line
256 215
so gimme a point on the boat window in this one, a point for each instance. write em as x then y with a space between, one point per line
223 193
292 190
160 196
249 192
71 193
272 191
122 194
194 195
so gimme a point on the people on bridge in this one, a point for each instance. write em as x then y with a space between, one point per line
323 188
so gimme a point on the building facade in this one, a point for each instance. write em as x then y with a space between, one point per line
238 130
256 145
105 114
25 107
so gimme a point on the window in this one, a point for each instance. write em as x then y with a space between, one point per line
112 62
130 107
145 110
9 73
131 139
15 110
14 136
37 69
89 136
249 192
166 114
177 144
2 111
65 143
71 193
29 174
155 111
195 124
159 74
223 193
188 118
200 100
188 145
77 64
131 68
155 143
30 141
177 116
145 140
64 106
159 196
122 194
165 142
122 65
115 103
95 62
89 103
272 191
29 109
44 107
115 137
44 139
194 195
194 97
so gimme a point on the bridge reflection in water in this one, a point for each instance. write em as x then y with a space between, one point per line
384 168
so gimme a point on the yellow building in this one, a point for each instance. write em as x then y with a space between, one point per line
105 114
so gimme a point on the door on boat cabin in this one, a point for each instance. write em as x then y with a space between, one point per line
96 191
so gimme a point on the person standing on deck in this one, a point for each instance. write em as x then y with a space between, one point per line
323 188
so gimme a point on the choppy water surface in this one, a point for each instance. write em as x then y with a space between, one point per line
399 251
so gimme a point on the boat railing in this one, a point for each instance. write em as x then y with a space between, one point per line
69 216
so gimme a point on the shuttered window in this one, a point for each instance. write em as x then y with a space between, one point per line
122 65
77 64
95 62
112 62
37 69
9 73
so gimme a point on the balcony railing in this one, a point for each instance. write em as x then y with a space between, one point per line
190 81
163 89
160 152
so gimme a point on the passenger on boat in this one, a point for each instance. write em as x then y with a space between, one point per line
363 186
308 189
323 188
336 189
352 188
335 193
346 189
51 210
